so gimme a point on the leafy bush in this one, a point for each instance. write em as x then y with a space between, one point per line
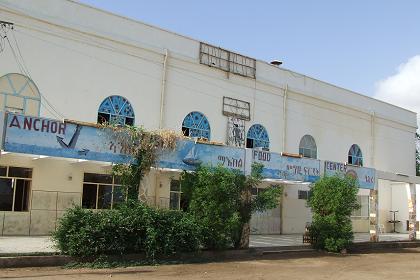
332 200
132 228
172 232
220 201
213 203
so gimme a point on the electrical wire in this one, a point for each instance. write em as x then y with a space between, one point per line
29 75
23 71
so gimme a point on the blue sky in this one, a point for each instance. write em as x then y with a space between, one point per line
353 44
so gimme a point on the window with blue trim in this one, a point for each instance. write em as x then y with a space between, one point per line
307 147
19 94
195 124
257 136
355 156
116 109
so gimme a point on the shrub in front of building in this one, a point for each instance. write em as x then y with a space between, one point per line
221 202
131 228
332 200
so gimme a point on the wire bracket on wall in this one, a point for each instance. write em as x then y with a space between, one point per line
5 26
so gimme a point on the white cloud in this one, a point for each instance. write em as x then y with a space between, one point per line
403 88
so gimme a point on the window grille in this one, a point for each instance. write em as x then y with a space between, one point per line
236 108
116 109
19 94
227 61
236 132
355 156
257 136
307 147
195 124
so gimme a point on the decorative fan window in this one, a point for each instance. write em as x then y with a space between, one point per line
195 124
19 94
257 136
355 156
116 109
307 147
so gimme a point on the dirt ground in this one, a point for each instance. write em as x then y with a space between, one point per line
403 264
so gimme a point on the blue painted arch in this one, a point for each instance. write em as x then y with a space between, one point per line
196 124
257 137
116 109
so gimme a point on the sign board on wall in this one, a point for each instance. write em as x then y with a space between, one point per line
277 166
365 176
40 136
188 155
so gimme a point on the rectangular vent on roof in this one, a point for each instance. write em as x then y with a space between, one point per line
227 61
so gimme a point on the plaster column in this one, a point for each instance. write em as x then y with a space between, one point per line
373 215
412 212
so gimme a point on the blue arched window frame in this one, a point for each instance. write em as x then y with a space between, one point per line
116 109
355 155
257 137
196 124
307 147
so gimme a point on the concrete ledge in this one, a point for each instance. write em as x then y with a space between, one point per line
34 261
213 256
372 246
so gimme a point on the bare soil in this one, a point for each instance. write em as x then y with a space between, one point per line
400 264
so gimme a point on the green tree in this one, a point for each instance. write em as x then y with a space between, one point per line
221 201
332 200
143 146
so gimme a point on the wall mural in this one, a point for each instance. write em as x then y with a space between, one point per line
40 136
277 166
365 176
235 132
189 154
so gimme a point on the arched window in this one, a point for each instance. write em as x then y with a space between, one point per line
195 124
257 136
19 94
116 109
355 156
307 147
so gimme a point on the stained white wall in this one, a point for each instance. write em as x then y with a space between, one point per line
295 212
78 55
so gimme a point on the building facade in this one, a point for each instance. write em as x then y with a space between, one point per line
65 60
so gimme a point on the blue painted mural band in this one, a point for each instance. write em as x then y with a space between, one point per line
277 166
39 136
365 176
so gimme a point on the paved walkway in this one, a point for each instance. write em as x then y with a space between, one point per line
26 244
296 239
43 244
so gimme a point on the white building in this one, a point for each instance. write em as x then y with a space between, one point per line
77 56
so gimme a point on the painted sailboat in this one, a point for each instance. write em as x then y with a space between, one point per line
191 158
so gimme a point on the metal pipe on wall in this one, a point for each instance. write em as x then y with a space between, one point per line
372 135
284 117
162 89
